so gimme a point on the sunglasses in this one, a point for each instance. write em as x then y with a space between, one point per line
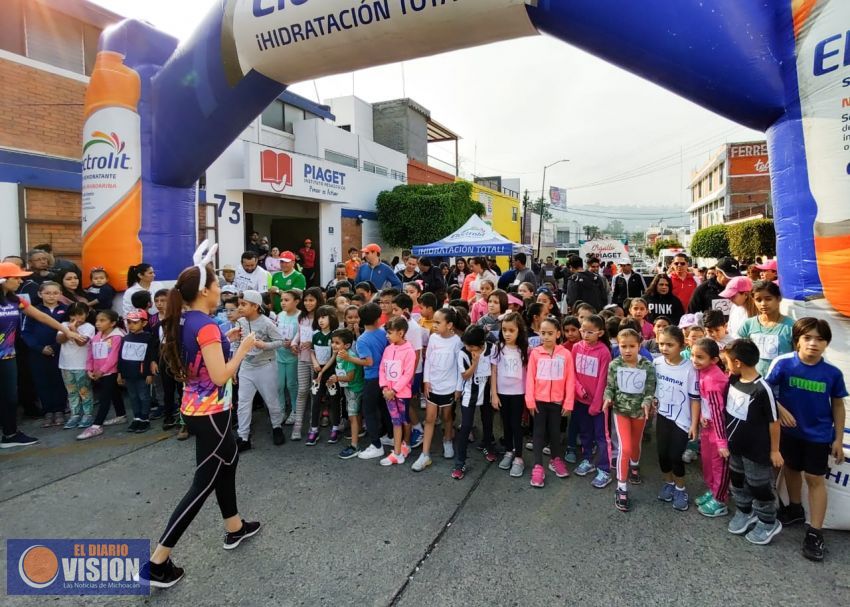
680 263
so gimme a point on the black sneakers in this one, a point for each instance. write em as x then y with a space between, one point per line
169 422
232 540
18 439
813 544
792 514
164 575
243 445
278 437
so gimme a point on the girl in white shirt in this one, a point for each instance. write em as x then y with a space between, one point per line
507 387
72 364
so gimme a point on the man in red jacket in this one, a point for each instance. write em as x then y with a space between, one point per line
307 255
682 281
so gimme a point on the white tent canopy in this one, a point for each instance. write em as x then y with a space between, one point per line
475 237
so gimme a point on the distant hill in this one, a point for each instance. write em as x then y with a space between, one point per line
634 217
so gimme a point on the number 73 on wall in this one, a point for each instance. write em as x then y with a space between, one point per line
235 216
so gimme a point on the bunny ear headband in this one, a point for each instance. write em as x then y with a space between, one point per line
204 254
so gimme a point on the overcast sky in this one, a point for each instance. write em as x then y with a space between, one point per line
523 104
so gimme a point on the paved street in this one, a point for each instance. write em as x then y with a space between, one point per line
353 533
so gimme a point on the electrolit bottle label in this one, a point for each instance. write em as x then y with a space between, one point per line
823 70
111 161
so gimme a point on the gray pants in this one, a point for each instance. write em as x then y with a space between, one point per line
302 402
752 487
263 380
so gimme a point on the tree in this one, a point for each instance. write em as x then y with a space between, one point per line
540 206
421 214
750 239
592 232
615 229
667 243
711 242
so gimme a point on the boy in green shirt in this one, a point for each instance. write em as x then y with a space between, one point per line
349 377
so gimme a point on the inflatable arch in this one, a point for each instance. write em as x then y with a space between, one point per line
157 114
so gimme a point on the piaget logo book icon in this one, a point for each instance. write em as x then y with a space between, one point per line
276 169
75 567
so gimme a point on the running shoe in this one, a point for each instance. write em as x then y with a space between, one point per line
570 457
334 437
517 467
584 468
813 548
164 575
371 452
296 434
506 462
489 455
538 476
712 508
422 462
622 501
278 437
559 467
762 533
134 426
241 444
387 441
169 422
18 439
448 449
666 493
634 475
702 499
290 419
741 522
792 514
680 500
689 456
405 450
392 459
601 480
232 540
144 426
416 437
547 450
121 419
349 452
458 472
73 422
89 432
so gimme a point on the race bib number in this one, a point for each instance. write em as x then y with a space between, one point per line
587 365
306 334
631 381
100 350
323 354
738 405
671 399
511 367
705 410
724 305
768 345
134 352
551 369
341 374
287 331
392 369
534 341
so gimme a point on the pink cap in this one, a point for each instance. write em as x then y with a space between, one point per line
739 284
514 300
770 265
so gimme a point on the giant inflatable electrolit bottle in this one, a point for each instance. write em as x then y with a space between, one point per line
112 169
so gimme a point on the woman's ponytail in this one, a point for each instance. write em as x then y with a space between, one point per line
185 291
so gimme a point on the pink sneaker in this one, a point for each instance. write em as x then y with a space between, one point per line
538 476
90 432
559 467
405 450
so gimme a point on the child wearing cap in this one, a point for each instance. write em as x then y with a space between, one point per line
258 372
739 292
768 271
139 353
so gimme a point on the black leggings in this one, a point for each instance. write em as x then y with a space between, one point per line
106 393
9 395
672 442
467 419
511 411
172 391
216 456
332 402
547 424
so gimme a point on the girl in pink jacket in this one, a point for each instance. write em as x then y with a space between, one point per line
395 377
592 356
550 392
102 369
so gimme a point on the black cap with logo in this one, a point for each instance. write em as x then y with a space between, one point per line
729 266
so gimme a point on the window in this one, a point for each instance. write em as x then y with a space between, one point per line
711 181
345 127
370 167
515 215
398 176
338 158
722 170
273 116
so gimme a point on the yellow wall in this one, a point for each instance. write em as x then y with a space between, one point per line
500 211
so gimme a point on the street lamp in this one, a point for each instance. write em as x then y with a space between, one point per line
542 200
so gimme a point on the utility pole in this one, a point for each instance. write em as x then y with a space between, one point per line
542 203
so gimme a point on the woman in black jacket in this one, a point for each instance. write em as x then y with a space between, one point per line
661 300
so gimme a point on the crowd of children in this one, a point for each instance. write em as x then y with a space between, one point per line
394 365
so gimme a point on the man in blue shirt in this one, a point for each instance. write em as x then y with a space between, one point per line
370 350
811 396
375 271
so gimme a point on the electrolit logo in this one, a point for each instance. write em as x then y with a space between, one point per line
267 7
115 159
831 54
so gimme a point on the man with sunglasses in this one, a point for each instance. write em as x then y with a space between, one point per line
682 281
